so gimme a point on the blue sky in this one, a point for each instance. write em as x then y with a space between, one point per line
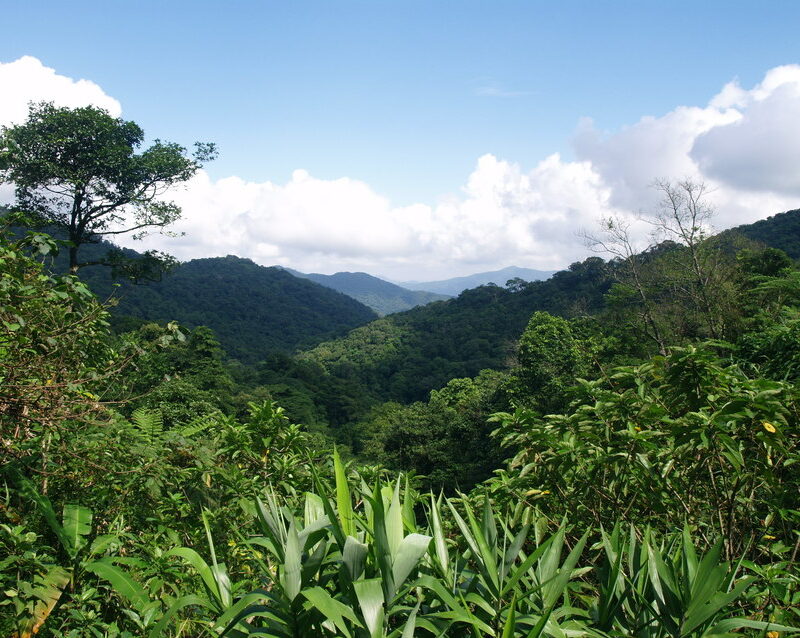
405 97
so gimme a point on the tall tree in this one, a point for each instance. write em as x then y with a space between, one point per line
79 169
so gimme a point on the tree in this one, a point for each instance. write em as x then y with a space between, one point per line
79 170
684 284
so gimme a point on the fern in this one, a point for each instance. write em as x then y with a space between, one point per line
150 424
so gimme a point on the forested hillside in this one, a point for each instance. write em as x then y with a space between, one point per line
253 310
612 452
780 231
383 297
404 356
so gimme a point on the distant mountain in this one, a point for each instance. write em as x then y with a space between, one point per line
383 297
457 285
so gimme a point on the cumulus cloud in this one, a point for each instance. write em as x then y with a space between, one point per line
760 149
28 80
743 143
504 215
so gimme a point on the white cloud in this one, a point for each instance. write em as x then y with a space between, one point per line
504 216
28 80
760 150
743 143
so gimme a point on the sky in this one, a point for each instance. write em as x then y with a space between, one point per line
429 139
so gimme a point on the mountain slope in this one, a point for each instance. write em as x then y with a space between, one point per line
403 356
778 231
254 310
457 285
383 297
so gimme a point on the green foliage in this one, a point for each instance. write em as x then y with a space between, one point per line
687 437
446 439
779 231
550 357
53 357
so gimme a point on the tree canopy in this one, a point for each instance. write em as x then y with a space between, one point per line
80 170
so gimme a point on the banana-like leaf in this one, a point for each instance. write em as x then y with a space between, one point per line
48 591
343 502
77 524
291 579
102 543
370 600
412 548
122 582
334 610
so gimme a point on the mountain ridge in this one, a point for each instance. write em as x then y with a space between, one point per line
382 296
456 285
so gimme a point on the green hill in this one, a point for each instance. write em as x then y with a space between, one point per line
254 310
778 231
403 356
383 297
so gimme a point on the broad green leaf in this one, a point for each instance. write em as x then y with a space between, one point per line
411 549
394 521
77 523
354 556
291 578
48 592
203 569
438 536
343 502
370 600
332 609
123 583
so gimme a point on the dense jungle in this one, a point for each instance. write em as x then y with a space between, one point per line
215 448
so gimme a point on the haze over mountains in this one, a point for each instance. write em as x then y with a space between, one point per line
380 295
456 285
